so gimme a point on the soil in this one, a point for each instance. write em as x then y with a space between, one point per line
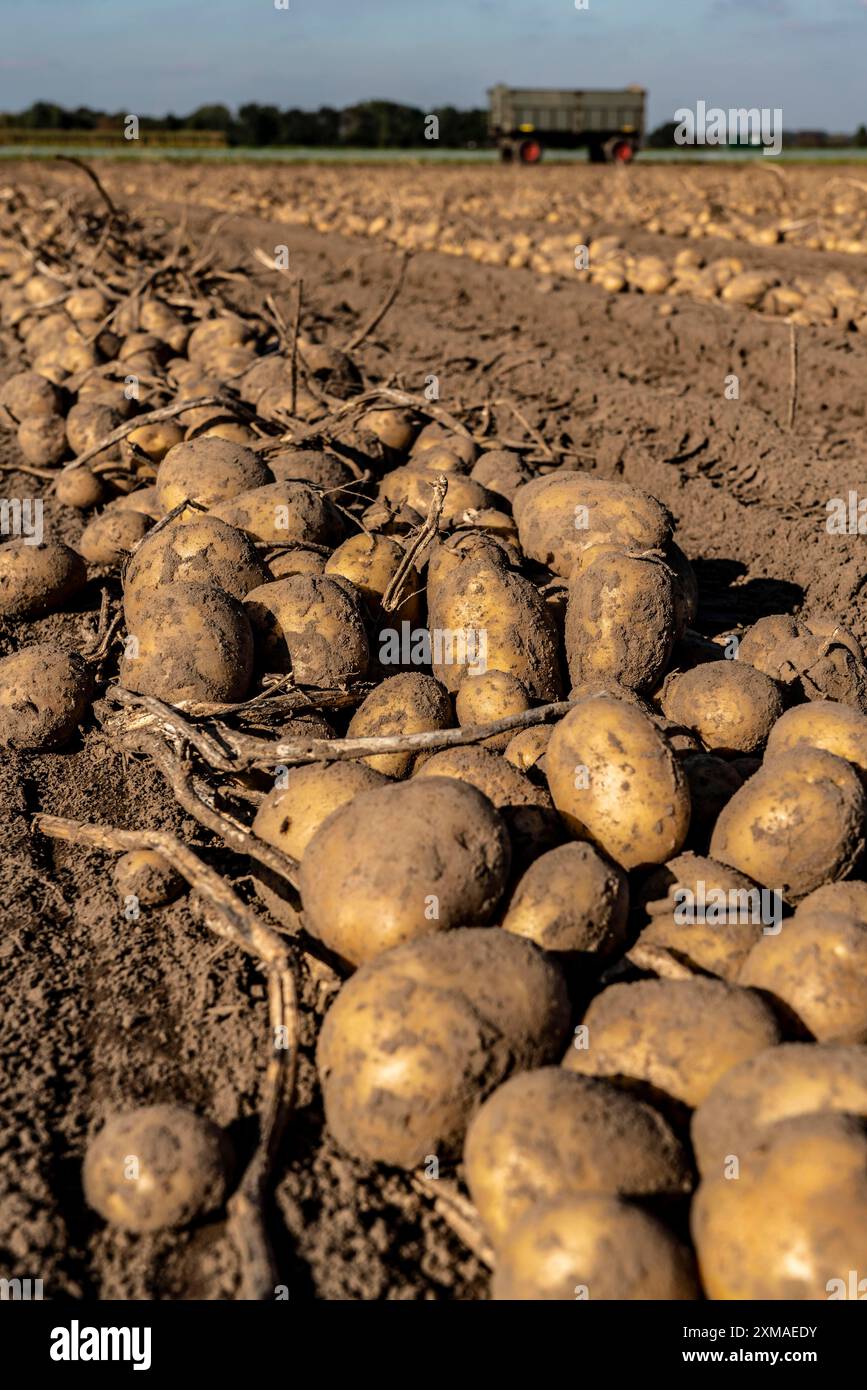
100 1012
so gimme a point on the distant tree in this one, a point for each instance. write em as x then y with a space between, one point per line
214 117
258 125
662 138
860 137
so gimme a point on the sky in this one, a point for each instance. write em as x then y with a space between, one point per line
148 57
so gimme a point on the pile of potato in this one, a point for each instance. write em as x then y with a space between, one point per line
641 1106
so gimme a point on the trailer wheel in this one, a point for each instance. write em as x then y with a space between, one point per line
623 152
507 152
529 151
595 152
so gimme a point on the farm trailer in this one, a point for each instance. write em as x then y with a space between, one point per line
523 121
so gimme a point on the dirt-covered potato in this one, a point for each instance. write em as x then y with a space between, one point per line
27 395
527 748
837 728
620 620
37 579
396 428
145 875
798 823
309 625
288 562
731 706
676 1036
485 617
436 436
370 563
208 471
418 1037
78 487
816 968
155 1167
42 440
818 658
447 865
409 703
413 485
785 1081
487 697
110 537
794 1223
88 423
501 471
592 1247
707 916
615 780
212 335
313 466
44 695
849 896
291 814
202 550
154 440
280 513
188 642
548 1133
562 515
571 900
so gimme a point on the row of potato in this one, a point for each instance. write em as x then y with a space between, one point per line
488 899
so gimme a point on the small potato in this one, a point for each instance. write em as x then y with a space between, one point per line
501 471
210 336
592 1247
145 875
42 440
563 515
795 1222
38 579
313 466
78 487
413 485
111 536
394 428
435 436
487 697
208 471
707 916
732 707
572 901
446 866
548 1133
848 897
370 563
331 366
155 1167
817 969
27 395
418 1037
527 748
677 1036
44 695
87 424
837 728
291 814
289 562
309 625
620 620
140 499
798 823
202 550
615 781
410 703
819 658
156 440
280 513
188 642
783 1082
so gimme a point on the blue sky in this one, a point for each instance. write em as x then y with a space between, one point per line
150 56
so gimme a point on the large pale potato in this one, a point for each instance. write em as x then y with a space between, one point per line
572 900
202 550
620 620
280 513
837 728
731 706
290 815
309 625
188 642
410 703
563 515
208 471
37 579
816 968
706 916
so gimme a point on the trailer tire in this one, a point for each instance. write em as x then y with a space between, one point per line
618 151
507 153
530 151
596 152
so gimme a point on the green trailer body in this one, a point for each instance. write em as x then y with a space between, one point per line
523 121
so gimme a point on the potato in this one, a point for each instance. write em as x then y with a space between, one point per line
527 748
731 707
88 424
795 1222
111 536
44 695
145 875
78 487
418 1037
837 728
370 563
210 336
707 916
817 969
484 617
485 698
448 555
314 466
563 515
37 579
42 440
155 440
280 513
395 428
548 1133
848 897
819 658
289 562
208 471
291 814
620 620
140 499
798 823
595 1247
779 1084
202 550
572 901
192 642
615 781
447 864
155 1167
677 1036
27 395
411 703
413 485
501 471
309 625
436 436
157 317
331 366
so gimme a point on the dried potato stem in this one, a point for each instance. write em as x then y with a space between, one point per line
391 599
458 1213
